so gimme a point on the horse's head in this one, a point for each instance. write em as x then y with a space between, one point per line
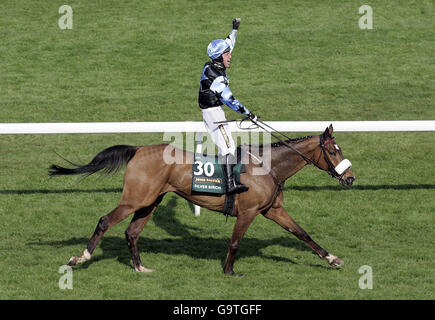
331 159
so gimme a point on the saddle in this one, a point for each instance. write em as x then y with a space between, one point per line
208 177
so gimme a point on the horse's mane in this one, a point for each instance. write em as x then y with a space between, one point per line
278 143
273 145
281 143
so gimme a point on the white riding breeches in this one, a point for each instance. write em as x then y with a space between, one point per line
220 133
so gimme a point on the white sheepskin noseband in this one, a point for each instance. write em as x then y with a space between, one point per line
343 166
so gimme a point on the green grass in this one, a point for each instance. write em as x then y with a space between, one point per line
141 61
385 221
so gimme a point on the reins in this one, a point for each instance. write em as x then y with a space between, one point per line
273 132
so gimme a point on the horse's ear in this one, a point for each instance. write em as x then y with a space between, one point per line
331 129
328 132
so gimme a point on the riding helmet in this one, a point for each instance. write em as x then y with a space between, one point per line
216 48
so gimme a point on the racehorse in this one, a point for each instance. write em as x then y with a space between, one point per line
148 178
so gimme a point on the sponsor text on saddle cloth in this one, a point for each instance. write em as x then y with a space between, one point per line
208 175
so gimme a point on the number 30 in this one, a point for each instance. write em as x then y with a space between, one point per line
207 168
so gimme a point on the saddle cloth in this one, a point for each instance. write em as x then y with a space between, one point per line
208 175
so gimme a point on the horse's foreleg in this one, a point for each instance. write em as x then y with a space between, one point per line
242 224
140 219
281 217
105 223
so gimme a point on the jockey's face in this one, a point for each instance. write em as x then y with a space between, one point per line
226 58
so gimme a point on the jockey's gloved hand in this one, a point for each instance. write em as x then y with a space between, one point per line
236 23
252 117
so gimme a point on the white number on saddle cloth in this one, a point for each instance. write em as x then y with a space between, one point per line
207 168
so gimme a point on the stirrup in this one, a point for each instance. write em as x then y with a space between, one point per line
237 188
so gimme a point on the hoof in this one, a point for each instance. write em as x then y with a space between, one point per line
334 261
75 260
143 269
232 273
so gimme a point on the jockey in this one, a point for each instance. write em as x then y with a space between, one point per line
213 93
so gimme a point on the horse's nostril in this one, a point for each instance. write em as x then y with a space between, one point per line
350 180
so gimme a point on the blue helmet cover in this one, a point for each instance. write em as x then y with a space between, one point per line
216 48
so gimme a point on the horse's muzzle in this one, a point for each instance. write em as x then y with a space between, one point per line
350 180
347 181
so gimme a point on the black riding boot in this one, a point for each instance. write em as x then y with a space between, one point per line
232 186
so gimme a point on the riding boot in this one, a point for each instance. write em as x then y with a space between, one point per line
232 185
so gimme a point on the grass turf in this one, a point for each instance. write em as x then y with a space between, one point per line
141 61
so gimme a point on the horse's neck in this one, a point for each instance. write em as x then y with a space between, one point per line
286 162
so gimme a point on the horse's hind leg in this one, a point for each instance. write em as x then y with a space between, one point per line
140 219
105 223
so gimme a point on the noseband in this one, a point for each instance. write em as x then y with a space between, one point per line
334 171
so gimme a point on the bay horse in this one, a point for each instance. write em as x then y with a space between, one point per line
148 178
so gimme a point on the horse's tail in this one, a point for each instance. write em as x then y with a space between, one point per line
109 160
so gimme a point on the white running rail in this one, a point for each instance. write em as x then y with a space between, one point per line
198 126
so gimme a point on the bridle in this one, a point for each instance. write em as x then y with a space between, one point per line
336 172
339 170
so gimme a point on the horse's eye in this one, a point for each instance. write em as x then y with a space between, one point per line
332 153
